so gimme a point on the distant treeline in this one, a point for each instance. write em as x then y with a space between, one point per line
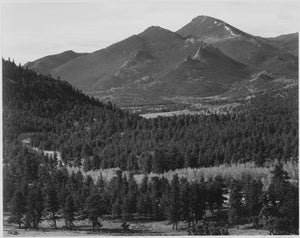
97 135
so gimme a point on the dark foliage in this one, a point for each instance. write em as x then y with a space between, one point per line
281 208
17 208
58 117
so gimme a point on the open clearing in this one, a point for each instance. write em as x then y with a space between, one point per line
169 114
113 227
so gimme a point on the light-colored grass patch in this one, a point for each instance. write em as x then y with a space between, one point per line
227 172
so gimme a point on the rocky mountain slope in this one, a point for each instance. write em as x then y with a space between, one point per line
208 72
206 57
251 50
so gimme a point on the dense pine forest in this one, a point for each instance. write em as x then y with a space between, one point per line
92 135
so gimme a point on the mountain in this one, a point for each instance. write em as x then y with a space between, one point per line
100 70
251 50
34 102
287 42
46 64
210 29
137 63
147 67
209 72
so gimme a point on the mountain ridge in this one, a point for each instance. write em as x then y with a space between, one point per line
115 72
47 63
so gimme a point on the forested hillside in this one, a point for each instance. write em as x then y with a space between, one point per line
88 133
101 135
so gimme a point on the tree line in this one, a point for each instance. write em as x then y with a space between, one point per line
52 193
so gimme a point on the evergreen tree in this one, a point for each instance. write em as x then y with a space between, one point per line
94 209
60 177
62 195
144 204
52 202
155 196
283 201
165 200
253 191
279 183
87 164
69 211
132 195
218 189
125 208
198 200
185 202
235 202
116 208
174 212
289 209
101 184
17 208
35 206
43 175
144 184
115 193
9 188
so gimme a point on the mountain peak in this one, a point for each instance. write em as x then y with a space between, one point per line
203 18
205 51
159 33
47 63
155 27
209 29
69 51
151 29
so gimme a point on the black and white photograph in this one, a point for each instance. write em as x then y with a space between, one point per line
149 118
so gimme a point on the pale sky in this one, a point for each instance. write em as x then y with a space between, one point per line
36 28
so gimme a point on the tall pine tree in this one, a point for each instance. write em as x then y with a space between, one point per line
69 211
174 209
17 208
235 202
51 202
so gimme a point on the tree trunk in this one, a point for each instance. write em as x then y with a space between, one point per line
34 226
54 220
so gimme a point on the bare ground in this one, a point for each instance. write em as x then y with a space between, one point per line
113 227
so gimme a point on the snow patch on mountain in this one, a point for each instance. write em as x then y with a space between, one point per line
230 31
